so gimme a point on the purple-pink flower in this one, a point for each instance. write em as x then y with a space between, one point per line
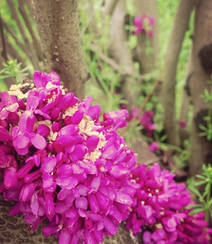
154 146
62 164
159 210
144 24
59 162
147 122
182 124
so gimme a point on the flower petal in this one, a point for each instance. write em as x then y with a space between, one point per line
4 135
109 226
10 178
21 141
38 141
64 237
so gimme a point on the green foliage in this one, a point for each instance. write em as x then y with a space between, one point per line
133 131
3 86
205 199
13 69
207 129
105 84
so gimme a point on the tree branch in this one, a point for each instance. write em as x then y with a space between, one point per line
4 51
109 7
201 152
118 68
91 21
171 60
186 101
147 60
29 52
18 22
25 17
122 53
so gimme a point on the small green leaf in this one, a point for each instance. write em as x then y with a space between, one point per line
199 183
196 210
202 134
202 127
196 192
208 188
194 206
201 177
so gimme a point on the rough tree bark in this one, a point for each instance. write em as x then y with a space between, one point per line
58 27
202 50
170 66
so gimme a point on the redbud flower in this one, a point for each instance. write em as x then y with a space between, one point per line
144 24
182 124
61 163
154 146
146 122
159 210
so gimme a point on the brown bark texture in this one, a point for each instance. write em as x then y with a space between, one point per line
170 66
201 148
58 27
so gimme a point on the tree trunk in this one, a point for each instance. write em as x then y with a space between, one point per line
57 23
58 27
147 59
109 7
202 50
122 53
170 67
186 102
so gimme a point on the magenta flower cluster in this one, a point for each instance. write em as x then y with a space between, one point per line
144 24
146 121
59 162
160 213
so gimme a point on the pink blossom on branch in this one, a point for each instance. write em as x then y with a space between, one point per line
147 122
154 146
60 163
160 213
144 24
182 124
